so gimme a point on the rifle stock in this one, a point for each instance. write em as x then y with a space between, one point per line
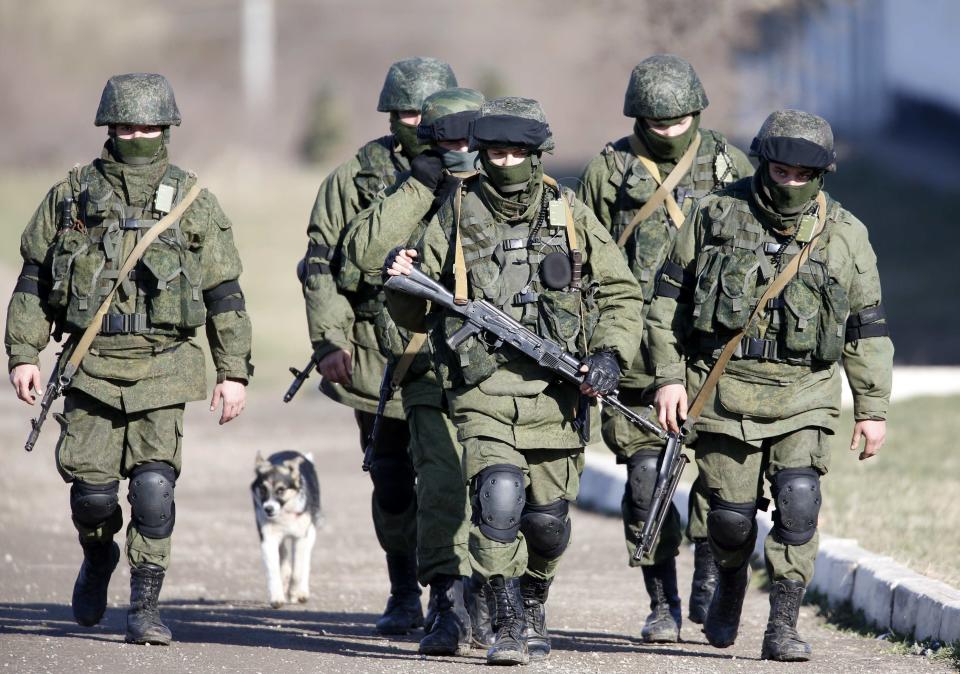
672 463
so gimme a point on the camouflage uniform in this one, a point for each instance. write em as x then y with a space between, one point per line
123 413
615 185
442 504
779 399
345 311
516 422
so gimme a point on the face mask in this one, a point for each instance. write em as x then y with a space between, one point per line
458 162
137 151
406 135
508 179
788 200
665 147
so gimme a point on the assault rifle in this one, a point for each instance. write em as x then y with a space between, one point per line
386 393
55 387
487 322
299 376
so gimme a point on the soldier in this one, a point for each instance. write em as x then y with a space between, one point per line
622 187
123 412
442 513
779 400
536 252
343 310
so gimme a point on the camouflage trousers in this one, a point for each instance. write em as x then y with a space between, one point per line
625 440
549 475
394 501
734 471
443 514
100 444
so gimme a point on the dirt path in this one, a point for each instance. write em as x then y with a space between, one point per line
214 598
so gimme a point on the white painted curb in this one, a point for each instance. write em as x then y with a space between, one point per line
891 596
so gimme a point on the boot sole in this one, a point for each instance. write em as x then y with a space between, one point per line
508 661
149 641
460 650
786 657
672 639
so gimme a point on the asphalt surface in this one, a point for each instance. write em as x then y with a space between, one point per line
214 598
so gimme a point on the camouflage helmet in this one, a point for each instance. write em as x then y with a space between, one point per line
512 121
410 81
447 114
138 98
663 86
796 138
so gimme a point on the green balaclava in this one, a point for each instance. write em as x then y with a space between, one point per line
788 200
508 179
137 151
664 148
406 135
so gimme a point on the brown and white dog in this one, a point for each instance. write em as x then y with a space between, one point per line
286 502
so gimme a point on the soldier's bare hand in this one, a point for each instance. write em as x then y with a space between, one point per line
874 432
402 263
233 394
337 366
25 377
671 403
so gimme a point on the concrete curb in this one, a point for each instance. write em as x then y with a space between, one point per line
892 597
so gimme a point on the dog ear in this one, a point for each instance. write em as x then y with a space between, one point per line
261 464
294 466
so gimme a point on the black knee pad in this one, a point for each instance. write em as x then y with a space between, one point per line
394 483
499 498
546 528
731 525
152 508
93 504
796 491
641 481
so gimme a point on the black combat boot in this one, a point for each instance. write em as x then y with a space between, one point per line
509 645
479 599
663 623
449 633
534 592
704 581
781 641
90 589
143 619
403 612
723 616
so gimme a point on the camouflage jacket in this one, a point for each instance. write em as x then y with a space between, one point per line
724 262
499 393
615 186
185 280
342 308
372 235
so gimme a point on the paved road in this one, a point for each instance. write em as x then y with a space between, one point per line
214 598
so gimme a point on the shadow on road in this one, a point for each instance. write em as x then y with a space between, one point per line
606 642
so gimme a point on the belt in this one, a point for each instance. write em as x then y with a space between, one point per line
751 348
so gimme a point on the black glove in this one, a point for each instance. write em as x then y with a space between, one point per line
388 262
427 167
603 375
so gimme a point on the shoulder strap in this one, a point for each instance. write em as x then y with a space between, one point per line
576 255
779 283
459 262
664 191
70 369
406 358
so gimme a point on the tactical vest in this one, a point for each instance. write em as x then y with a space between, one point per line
508 264
651 240
88 253
735 265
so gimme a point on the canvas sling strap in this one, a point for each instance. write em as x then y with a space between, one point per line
664 193
779 283
86 339
459 264
406 359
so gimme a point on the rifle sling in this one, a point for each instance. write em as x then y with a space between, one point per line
83 344
776 287
665 189
406 359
